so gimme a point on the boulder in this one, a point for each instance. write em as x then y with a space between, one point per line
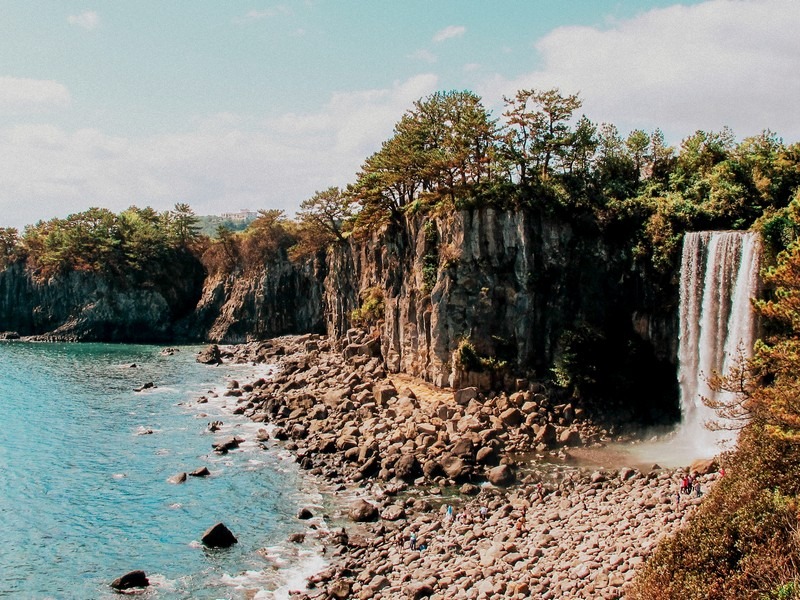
362 511
384 392
200 472
179 478
546 435
463 447
511 417
227 444
407 467
570 437
134 579
469 489
500 475
304 513
297 538
339 589
464 395
210 355
453 466
218 536
704 466
393 513
145 386
486 456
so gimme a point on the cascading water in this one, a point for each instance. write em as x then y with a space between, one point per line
719 277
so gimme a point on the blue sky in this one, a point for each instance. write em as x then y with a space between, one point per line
257 104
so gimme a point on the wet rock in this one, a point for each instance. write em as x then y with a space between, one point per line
304 513
134 579
297 538
146 386
227 444
210 355
179 478
218 536
200 472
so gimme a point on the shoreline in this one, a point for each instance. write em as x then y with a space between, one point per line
397 451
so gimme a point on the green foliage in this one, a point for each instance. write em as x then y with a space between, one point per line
269 237
372 308
324 218
100 241
9 246
467 358
576 365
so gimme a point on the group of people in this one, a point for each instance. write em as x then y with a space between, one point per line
690 484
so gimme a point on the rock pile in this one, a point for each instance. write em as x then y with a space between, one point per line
569 534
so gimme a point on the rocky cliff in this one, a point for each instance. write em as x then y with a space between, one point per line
520 291
277 298
91 307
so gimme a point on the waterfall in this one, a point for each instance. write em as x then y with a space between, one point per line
719 276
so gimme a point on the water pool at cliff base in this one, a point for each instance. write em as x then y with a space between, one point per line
84 464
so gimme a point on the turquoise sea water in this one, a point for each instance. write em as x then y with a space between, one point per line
84 495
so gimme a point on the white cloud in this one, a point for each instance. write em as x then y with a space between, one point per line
258 15
226 162
682 68
424 56
20 96
88 20
451 31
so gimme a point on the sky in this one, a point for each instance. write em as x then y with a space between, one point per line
257 104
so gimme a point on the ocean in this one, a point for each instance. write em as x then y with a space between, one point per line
84 468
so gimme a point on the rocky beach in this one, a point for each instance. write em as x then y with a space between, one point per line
452 493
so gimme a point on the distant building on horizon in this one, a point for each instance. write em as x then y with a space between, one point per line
242 215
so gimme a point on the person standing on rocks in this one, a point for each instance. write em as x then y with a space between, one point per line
413 541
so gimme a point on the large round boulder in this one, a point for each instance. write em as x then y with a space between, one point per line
362 511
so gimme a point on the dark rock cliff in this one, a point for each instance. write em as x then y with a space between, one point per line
274 299
86 306
523 289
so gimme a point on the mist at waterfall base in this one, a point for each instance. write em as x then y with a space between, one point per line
719 279
84 463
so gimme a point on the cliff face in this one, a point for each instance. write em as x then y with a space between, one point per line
89 307
520 288
274 299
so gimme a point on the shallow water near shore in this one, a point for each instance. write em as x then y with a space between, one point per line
84 463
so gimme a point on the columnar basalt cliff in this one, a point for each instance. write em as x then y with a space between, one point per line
520 288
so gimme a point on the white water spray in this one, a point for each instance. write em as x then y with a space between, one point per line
719 277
